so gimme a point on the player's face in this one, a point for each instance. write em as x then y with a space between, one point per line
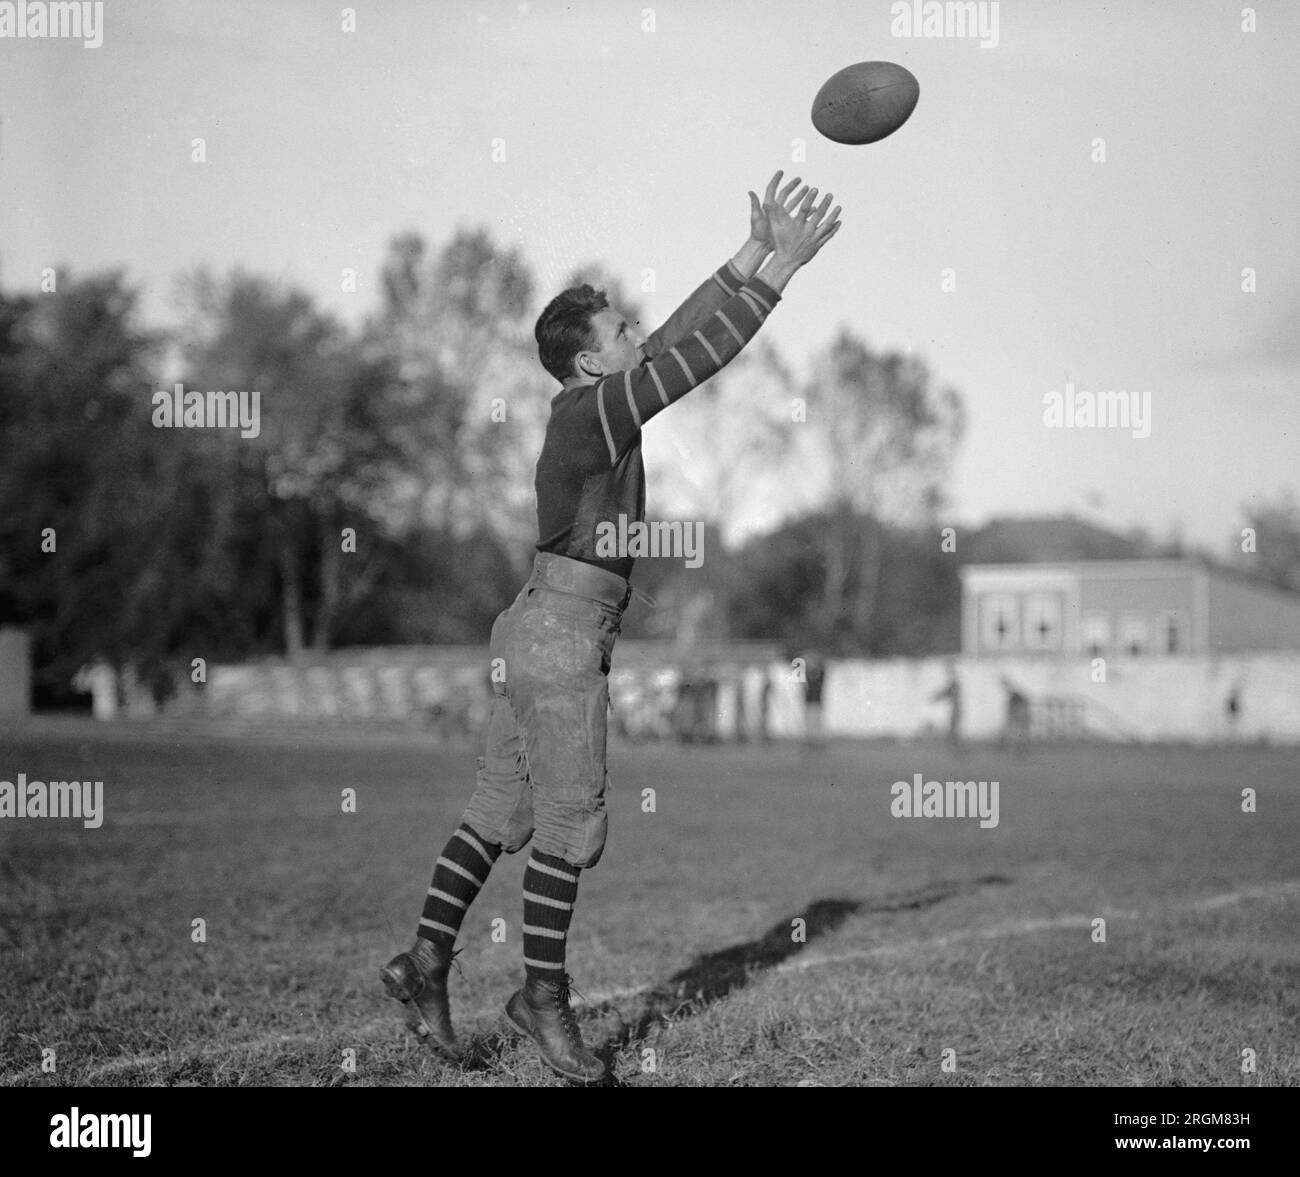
618 343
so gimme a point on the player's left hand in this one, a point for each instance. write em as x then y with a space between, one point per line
760 229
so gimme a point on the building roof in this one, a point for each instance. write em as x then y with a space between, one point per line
1047 539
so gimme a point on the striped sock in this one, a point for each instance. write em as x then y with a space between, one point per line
550 891
458 876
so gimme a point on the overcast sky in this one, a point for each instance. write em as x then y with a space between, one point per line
636 148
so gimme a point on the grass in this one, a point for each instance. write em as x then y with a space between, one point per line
923 936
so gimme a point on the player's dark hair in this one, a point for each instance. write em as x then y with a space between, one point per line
564 328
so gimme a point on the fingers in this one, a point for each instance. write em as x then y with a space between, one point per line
785 192
815 215
824 234
826 221
802 200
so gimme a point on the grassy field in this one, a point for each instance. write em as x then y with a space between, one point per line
927 939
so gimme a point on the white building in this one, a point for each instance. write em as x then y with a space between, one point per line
1132 607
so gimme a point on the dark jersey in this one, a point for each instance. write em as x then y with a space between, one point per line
590 470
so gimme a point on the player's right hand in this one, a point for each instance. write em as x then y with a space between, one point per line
799 234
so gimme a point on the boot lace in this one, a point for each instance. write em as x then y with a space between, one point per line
567 1018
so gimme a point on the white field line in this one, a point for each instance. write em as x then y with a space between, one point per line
385 1027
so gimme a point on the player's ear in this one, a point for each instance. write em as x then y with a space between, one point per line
588 365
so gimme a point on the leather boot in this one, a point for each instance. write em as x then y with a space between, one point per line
541 1011
418 979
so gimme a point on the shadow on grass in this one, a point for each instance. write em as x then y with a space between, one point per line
715 975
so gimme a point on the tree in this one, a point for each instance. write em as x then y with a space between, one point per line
1276 555
425 424
102 516
456 329
885 438
779 588
327 449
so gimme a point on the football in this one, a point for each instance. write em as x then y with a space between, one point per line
865 102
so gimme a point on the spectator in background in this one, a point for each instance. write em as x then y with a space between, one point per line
952 692
706 708
1232 710
764 705
694 714
683 717
814 678
1016 732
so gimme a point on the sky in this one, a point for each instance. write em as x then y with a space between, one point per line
630 134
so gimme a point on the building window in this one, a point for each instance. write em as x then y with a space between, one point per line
1172 633
1000 622
1133 636
1095 633
1043 621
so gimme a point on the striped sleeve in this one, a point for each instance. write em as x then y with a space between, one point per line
712 293
626 400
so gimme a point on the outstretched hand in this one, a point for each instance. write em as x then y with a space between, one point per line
760 227
799 232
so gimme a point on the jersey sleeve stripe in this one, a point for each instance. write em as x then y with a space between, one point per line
736 335
752 303
659 384
677 355
766 306
729 291
708 347
631 400
604 422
